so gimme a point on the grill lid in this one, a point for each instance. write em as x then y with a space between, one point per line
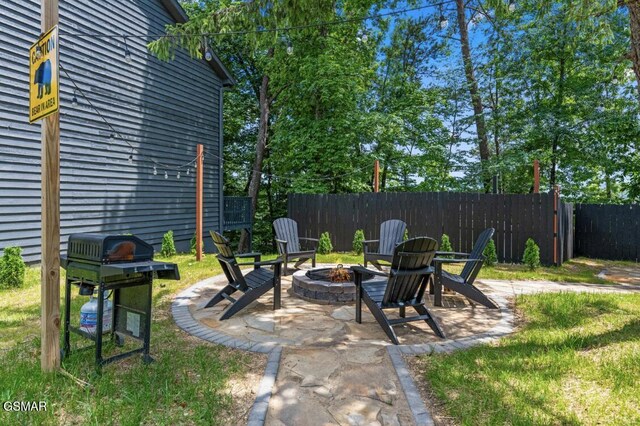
105 249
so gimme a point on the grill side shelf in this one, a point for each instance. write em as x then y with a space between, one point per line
164 270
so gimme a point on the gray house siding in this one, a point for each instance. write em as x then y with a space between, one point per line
163 109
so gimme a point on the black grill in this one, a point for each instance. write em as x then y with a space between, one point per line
124 265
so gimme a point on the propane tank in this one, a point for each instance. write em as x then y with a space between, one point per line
89 316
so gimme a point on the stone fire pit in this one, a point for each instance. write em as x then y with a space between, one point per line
315 286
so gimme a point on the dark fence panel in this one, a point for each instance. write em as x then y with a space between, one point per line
608 231
462 216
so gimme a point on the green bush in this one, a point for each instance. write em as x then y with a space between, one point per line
405 236
490 254
192 244
12 268
324 244
358 241
168 245
531 256
445 245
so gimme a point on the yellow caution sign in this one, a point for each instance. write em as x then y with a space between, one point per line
44 77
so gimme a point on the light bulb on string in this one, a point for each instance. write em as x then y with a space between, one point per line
38 52
166 175
512 6
127 53
155 171
289 50
130 158
187 171
178 175
112 138
208 54
443 22
74 100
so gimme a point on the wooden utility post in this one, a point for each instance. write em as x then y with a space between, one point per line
376 176
50 175
536 176
199 190
556 195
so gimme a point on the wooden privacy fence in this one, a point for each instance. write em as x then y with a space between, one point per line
606 231
462 216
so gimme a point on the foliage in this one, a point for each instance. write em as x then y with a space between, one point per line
168 245
405 236
12 268
445 245
490 254
531 256
192 245
588 340
358 241
324 244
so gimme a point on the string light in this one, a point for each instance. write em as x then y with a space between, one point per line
187 171
512 5
166 175
208 54
443 22
131 158
74 100
289 50
155 171
178 175
112 138
38 52
127 53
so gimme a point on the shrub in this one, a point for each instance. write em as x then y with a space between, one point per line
531 256
168 245
358 241
405 237
193 244
12 268
324 244
445 245
490 254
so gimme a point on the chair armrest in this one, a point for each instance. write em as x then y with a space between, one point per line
312 240
441 260
262 263
370 241
365 244
452 253
309 239
427 270
255 255
362 270
282 246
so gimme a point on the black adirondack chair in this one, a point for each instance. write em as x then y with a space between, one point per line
463 283
404 287
288 243
391 234
252 285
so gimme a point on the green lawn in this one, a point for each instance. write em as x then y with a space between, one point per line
187 381
186 384
576 360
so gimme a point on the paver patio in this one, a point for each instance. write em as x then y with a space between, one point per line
335 371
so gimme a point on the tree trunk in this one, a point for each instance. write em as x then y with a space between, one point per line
559 104
261 144
476 100
634 24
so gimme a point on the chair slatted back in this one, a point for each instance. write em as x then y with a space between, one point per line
391 234
471 269
228 261
287 229
412 255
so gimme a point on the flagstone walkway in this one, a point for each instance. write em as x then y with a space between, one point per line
324 368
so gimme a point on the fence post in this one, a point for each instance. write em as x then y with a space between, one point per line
556 193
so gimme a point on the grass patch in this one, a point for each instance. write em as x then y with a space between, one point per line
187 383
576 360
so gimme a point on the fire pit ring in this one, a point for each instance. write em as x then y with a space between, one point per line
315 286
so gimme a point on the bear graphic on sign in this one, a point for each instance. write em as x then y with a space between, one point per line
43 79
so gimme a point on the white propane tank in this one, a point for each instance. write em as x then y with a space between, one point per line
89 316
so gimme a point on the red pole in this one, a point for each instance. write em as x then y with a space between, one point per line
536 176
199 190
376 176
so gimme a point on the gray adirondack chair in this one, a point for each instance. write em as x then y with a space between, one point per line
463 283
252 285
288 244
391 234
404 286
